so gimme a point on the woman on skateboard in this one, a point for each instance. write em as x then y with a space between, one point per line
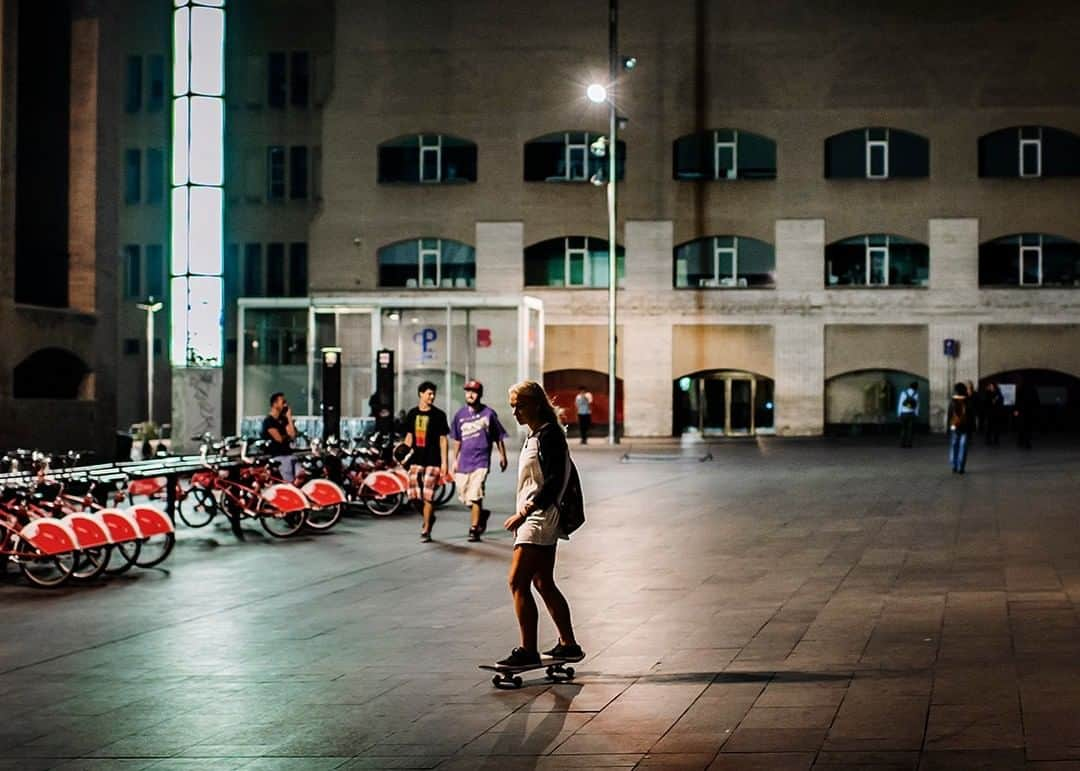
543 469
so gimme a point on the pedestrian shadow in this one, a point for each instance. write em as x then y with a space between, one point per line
529 744
499 552
710 678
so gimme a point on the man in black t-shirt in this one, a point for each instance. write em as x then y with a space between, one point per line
278 429
426 431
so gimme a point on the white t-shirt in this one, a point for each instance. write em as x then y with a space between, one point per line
540 527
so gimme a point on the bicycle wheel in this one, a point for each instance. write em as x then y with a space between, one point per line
43 570
385 506
122 557
155 550
91 563
281 524
199 508
324 517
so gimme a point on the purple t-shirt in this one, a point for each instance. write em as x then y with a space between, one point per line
478 431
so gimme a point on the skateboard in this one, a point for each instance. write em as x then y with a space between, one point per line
510 677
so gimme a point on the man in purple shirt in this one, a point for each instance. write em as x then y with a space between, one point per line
474 429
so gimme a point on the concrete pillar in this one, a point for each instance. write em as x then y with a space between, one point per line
799 350
649 256
800 255
500 257
647 385
83 172
946 372
196 402
954 254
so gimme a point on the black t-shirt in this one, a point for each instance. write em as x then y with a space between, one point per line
281 424
426 429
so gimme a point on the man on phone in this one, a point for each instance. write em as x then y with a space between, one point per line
278 429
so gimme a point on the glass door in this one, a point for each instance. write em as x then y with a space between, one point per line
713 401
740 406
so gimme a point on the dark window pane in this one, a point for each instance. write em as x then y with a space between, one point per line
757 156
429 165
155 175
544 159
845 155
1029 159
233 275
399 162
275 93
131 346
155 271
155 97
275 173
459 162
999 154
298 269
757 263
693 156
909 263
275 270
845 263
694 264
300 78
398 264
999 262
1061 262
298 172
132 176
909 155
876 157
253 270
133 84
1061 153
545 263
132 272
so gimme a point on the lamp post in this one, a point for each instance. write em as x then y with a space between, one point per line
151 307
598 94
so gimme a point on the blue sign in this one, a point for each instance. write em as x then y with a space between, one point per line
426 338
952 348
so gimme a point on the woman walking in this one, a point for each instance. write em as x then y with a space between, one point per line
961 424
543 472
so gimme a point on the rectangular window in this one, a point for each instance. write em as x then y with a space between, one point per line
133 84
298 269
275 270
430 157
132 176
155 175
298 172
429 262
725 154
877 153
1030 261
577 156
155 94
276 79
1031 152
725 261
253 270
275 173
877 265
577 262
155 271
132 272
300 79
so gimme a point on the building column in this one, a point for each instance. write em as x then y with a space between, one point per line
647 362
954 255
945 372
500 257
800 255
799 394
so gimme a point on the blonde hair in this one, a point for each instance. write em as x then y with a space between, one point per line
534 393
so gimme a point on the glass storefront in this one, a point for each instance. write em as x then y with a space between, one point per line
724 403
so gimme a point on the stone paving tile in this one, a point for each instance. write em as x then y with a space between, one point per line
769 740
685 761
995 760
875 761
763 761
973 727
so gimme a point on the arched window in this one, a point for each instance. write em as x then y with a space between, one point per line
877 259
1029 259
428 263
51 373
1029 151
572 156
876 153
724 154
428 159
724 261
571 261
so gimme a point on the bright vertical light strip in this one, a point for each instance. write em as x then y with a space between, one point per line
198 142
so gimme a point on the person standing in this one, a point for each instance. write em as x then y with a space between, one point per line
426 432
993 405
474 429
543 473
279 431
961 424
583 405
907 409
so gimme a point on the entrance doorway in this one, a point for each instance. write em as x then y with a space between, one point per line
723 403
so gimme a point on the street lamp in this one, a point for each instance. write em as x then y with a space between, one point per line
599 94
151 307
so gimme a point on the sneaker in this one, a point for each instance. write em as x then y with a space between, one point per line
566 652
485 515
425 538
519 657
474 534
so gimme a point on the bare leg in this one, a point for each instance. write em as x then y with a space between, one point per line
523 567
476 513
557 606
429 510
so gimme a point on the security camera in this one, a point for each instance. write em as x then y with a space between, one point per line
597 179
629 62
599 147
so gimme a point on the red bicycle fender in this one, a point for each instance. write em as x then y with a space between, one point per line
147 487
323 492
286 498
49 536
151 521
385 483
90 532
122 526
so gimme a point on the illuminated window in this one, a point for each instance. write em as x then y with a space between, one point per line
428 263
877 259
1029 259
724 262
571 261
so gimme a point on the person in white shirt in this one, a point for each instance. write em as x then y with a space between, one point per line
907 409
583 405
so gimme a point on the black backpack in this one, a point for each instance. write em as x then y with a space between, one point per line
572 504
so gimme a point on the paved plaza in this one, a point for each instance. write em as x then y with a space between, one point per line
788 604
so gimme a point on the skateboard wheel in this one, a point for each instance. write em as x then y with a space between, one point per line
551 671
569 673
517 682
496 681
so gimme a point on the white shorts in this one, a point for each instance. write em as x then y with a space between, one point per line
471 486
541 528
